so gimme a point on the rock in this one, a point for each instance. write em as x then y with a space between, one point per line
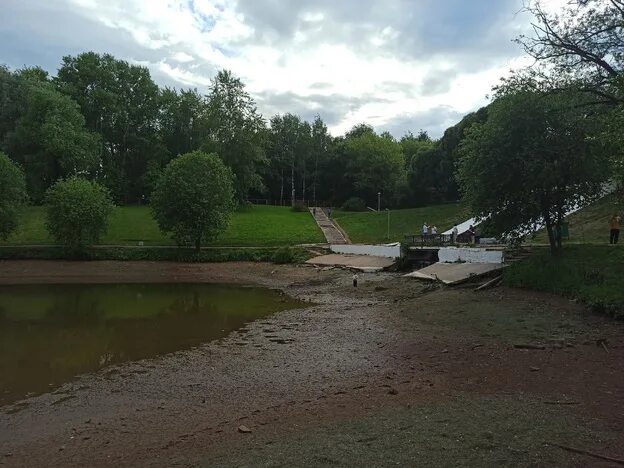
244 429
534 369
393 391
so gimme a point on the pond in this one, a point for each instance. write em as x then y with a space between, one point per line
51 333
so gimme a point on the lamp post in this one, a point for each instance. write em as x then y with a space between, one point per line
378 201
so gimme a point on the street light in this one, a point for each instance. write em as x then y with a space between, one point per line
378 201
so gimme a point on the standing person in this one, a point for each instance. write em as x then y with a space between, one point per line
329 212
434 230
471 231
454 234
425 230
616 222
355 280
314 211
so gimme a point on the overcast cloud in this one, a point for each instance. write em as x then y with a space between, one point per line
397 64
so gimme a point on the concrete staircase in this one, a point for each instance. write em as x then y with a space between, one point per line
332 233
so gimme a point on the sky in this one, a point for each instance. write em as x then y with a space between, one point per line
399 65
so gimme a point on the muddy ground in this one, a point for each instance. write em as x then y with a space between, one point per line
393 373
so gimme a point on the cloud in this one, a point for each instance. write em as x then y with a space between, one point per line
391 63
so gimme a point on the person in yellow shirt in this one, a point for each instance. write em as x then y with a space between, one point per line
616 222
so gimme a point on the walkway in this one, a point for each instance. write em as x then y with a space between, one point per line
331 232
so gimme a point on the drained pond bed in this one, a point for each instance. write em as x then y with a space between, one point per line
52 333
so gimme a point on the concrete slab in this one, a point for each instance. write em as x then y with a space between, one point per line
360 262
454 273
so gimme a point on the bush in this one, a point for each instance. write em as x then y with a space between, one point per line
299 207
170 254
283 255
590 273
194 198
354 204
77 212
12 195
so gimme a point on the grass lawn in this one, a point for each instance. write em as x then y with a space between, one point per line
591 224
590 273
372 227
253 226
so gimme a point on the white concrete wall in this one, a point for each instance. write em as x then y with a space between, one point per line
388 250
470 255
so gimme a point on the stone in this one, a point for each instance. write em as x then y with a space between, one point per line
244 429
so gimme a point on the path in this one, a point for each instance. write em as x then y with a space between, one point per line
331 232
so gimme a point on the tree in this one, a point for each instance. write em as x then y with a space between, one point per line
236 132
184 125
422 164
530 162
49 138
77 212
321 143
290 149
12 195
193 200
121 103
375 164
582 46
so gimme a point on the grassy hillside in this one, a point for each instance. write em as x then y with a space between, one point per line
253 226
590 273
591 224
372 227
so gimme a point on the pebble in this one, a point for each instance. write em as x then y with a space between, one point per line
244 429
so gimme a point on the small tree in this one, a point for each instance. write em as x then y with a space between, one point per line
77 212
193 199
12 195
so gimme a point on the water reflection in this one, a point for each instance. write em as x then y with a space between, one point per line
50 333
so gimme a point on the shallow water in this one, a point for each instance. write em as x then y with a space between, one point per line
51 333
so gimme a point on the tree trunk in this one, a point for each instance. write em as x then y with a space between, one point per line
282 187
292 183
558 232
304 186
551 235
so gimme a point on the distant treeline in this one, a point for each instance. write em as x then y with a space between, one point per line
107 120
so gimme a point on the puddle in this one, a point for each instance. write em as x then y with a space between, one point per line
51 333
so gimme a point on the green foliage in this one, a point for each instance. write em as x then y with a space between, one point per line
77 212
12 195
193 199
49 138
354 204
531 161
121 103
299 207
169 254
290 146
283 255
375 164
590 273
236 133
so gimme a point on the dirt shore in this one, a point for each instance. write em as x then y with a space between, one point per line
393 372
